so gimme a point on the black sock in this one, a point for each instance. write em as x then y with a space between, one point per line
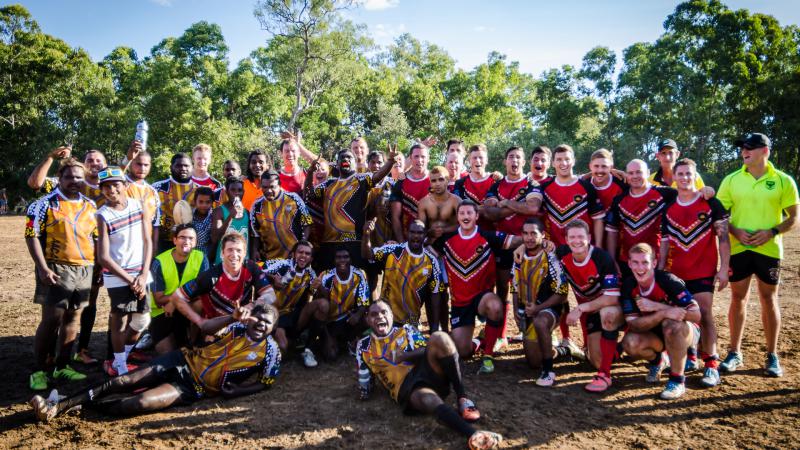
451 419
85 397
452 370
547 365
657 360
88 316
109 346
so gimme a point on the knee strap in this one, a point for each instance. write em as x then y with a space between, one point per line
139 321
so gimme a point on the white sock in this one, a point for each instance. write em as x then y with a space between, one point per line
128 349
120 363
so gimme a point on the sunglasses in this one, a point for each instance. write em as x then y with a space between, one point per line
109 172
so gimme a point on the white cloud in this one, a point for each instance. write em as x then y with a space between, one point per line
165 3
384 33
482 28
377 5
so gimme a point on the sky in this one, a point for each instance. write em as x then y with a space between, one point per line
538 34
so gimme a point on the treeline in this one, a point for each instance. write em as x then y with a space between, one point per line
713 74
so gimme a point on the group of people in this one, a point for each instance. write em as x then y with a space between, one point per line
344 255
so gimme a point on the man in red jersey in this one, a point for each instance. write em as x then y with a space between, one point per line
595 283
540 163
292 176
469 261
691 228
601 165
476 184
407 193
201 159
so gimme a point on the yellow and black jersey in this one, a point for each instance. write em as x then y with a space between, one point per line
345 295
383 222
90 191
279 223
169 192
66 228
343 202
148 197
537 278
409 279
295 289
376 355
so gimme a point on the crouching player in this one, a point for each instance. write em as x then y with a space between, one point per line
540 294
417 374
182 376
661 315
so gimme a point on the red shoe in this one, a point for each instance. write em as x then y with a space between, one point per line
108 368
468 410
600 383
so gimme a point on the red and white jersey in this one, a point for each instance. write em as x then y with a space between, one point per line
564 203
637 218
292 182
409 191
689 227
207 181
469 188
606 194
515 190
595 276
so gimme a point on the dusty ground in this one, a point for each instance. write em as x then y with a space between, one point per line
318 408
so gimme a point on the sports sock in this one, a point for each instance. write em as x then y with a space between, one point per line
477 344
547 365
120 363
657 360
449 417
492 332
608 347
710 361
674 377
691 353
452 370
562 325
128 349
88 316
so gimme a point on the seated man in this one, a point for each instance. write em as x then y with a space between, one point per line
540 291
417 374
182 376
347 294
661 315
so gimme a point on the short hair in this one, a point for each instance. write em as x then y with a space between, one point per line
469 203
564 148
440 170
304 243
201 148
685 162
602 153
204 190
379 301
94 150
233 179
642 248
231 161
70 162
534 221
375 154
343 151
233 236
282 143
177 156
256 152
458 142
185 226
358 139
263 308
418 145
577 223
143 153
542 149
417 222
270 175
477 148
513 149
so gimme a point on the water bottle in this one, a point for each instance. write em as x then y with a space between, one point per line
237 202
141 133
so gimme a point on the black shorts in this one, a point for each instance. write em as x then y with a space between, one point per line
173 369
289 320
658 330
71 291
342 331
504 259
700 285
747 263
327 253
624 270
464 316
162 326
591 322
422 375
123 300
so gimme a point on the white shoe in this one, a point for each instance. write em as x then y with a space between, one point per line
546 379
309 360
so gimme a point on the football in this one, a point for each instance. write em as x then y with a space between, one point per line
182 212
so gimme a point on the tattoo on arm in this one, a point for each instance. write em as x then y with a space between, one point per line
721 227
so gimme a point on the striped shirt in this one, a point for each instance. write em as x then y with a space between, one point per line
125 237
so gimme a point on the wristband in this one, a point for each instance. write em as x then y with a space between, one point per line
775 231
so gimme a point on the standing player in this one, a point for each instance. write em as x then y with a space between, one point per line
691 227
257 164
661 315
763 204
540 293
292 176
470 264
201 159
201 217
417 374
594 279
230 168
360 150
476 185
540 164
230 217
407 192
278 220
667 154
179 186
124 249
608 187
60 233
139 189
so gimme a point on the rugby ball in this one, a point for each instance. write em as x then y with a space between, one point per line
182 212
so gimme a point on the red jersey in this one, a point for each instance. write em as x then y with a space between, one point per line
409 191
689 227
595 276
564 203
208 181
292 182
637 218
469 261
469 188
511 190
606 194
666 288
219 292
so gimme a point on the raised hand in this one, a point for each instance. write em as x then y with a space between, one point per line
133 150
61 152
430 141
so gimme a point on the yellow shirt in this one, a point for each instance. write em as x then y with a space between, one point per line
279 224
375 357
67 228
148 197
169 192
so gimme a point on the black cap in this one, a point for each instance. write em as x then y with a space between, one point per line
753 140
667 143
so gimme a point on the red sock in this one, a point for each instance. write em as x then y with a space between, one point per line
504 326
608 347
562 325
709 361
491 333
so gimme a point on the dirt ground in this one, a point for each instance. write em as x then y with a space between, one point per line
319 407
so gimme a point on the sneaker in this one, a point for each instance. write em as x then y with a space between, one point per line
546 379
145 342
309 360
773 366
484 440
732 362
691 365
487 365
468 410
654 371
83 357
38 381
108 368
500 345
43 409
574 351
600 383
69 374
710 377
673 390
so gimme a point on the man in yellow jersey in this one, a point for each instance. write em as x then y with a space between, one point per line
278 220
179 186
763 203
417 373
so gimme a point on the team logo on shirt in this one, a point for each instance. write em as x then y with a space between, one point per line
652 204
479 249
702 216
592 279
578 198
770 184
252 356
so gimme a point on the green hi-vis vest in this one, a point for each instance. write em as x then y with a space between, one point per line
170 272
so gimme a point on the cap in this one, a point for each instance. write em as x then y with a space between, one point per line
667 143
753 140
110 173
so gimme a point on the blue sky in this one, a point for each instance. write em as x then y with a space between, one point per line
538 34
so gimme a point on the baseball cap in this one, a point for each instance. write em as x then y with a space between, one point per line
667 143
110 173
753 140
